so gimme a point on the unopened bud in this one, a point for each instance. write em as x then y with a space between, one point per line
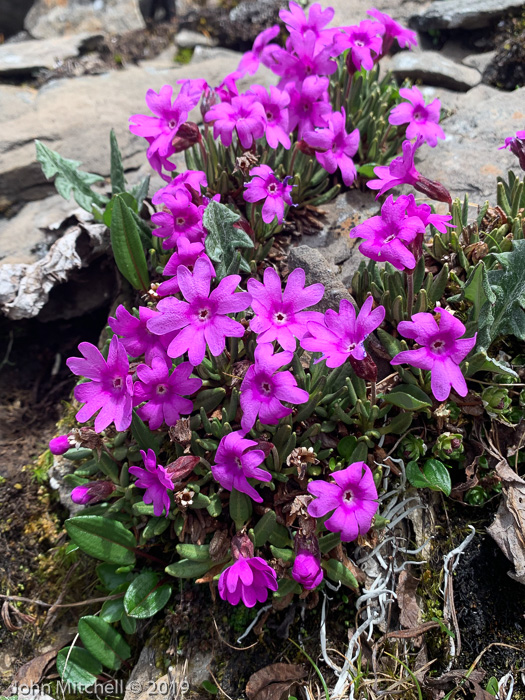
242 547
434 190
188 135
365 369
60 445
92 492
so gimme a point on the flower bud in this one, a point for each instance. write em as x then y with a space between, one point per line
412 448
92 492
365 369
449 446
517 146
306 149
242 547
209 98
188 135
496 400
434 190
59 445
307 569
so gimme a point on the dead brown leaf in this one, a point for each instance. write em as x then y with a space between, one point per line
508 528
274 682
410 613
33 671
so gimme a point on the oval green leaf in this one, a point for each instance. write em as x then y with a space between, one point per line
338 572
103 641
78 667
188 569
144 597
102 538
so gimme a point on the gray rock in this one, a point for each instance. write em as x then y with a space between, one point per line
15 101
432 68
205 53
318 269
143 675
469 14
27 57
12 15
186 39
479 61
469 161
49 18
60 468
342 215
73 118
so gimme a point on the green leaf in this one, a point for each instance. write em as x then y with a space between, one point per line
140 191
109 577
103 641
391 344
346 446
144 597
78 667
144 437
118 182
210 687
127 245
69 177
434 476
264 528
223 239
506 315
338 572
188 569
240 508
286 586
285 554
408 396
128 624
102 538
194 552
112 609
398 425
328 542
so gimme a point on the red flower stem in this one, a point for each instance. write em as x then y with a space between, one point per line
410 293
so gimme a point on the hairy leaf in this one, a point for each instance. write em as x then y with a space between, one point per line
69 177
223 238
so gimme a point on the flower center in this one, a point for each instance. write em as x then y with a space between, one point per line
203 315
269 115
172 123
418 115
348 497
280 317
180 221
272 188
438 347
359 42
118 383
237 461
265 386
351 347
161 389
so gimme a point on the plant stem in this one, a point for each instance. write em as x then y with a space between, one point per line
410 293
373 393
294 155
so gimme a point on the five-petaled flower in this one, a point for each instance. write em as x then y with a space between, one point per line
386 237
135 336
164 392
110 389
263 388
405 38
352 501
342 335
202 319
363 40
244 114
279 315
235 463
335 147
422 119
442 350
249 578
157 482
264 185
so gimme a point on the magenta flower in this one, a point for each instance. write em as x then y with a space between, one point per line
249 579
245 114
335 146
264 185
362 39
307 570
423 120
164 392
183 218
442 350
353 500
250 61
263 388
110 389
59 445
186 181
160 163
406 38
305 57
296 20
92 492
387 236
157 482
309 105
235 463
516 144
424 212
401 170
275 106
342 335
202 318
136 338
187 254
279 315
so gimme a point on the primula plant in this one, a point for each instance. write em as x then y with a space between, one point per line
229 431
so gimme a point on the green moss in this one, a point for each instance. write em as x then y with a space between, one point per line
183 55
